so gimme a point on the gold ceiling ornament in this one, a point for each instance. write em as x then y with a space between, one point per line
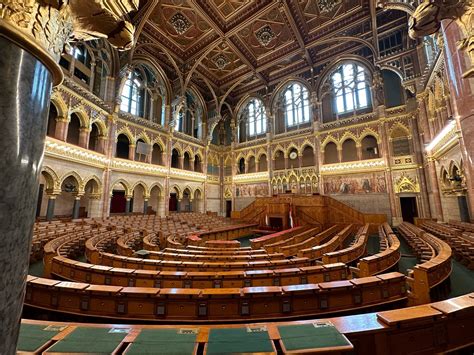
265 35
43 27
180 23
427 18
326 6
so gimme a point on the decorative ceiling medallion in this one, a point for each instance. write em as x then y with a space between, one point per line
221 61
326 6
265 35
180 23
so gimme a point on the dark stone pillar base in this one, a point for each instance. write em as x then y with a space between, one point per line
24 103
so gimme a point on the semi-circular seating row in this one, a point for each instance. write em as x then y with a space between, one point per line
317 252
442 327
356 250
258 243
315 239
430 272
224 304
73 270
458 235
297 238
387 258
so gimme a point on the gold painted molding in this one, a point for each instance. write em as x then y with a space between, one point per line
43 27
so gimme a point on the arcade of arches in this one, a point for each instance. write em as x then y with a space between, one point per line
216 106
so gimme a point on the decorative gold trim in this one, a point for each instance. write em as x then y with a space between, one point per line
30 45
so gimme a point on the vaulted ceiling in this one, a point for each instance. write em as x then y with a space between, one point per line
246 45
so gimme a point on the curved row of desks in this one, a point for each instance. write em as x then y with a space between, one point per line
427 329
224 304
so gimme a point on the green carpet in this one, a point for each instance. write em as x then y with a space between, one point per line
245 241
308 336
373 244
33 336
408 259
462 280
89 340
162 341
36 269
238 340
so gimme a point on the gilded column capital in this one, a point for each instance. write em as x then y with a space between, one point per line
43 27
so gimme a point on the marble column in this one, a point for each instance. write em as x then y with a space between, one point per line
127 205
50 208
461 74
61 128
437 210
24 104
84 138
131 152
75 209
145 206
178 205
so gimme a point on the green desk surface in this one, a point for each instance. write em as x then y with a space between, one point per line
163 341
238 340
32 337
309 336
89 340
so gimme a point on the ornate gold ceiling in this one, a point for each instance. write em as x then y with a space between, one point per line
248 45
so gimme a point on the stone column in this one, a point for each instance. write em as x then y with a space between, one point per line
84 138
436 211
460 64
191 164
50 208
61 128
359 151
101 144
131 152
127 205
75 209
181 162
145 205
28 70
178 205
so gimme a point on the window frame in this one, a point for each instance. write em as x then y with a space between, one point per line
350 89
297 103
132 99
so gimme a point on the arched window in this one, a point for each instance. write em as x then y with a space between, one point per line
175 159
253 120
53 115
262 163
349 150
351 92
190 116
251 166
331 154
94 138
197 164
296 105
308 156
123 144
157 155
82 63
101 72
73 130
132 94
370 148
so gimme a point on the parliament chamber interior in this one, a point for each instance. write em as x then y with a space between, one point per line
236 177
